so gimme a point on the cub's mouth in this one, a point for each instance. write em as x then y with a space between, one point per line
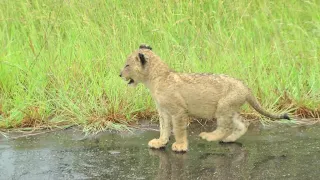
131 81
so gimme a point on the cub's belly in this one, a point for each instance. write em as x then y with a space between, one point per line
204 110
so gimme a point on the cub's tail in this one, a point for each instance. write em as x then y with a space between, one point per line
255 104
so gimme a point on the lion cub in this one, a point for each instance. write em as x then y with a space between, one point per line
180 95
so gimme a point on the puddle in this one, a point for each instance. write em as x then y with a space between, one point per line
262 153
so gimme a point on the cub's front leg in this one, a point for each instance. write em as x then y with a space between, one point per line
179 123
165 131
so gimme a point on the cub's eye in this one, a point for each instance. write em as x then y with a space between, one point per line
127 66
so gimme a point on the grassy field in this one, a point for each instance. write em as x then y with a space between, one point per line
60 59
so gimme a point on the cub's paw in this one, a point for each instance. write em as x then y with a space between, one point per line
157 143
205 135
180 147
229 139
208 136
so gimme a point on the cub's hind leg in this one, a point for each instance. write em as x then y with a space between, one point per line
224 129
224 125
240 127
226 109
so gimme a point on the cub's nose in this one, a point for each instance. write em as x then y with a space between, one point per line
120 75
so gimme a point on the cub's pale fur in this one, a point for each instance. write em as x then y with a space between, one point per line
181 95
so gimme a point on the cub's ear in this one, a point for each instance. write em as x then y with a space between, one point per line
145 46
142 59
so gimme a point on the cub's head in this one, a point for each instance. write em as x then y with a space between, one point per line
135 69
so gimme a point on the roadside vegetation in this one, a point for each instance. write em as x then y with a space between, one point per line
60 60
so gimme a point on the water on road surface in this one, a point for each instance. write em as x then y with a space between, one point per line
280 152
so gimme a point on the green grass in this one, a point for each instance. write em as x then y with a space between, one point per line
60 60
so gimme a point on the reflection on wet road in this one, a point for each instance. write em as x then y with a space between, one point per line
263 153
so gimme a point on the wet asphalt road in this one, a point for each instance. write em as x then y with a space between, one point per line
280 152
